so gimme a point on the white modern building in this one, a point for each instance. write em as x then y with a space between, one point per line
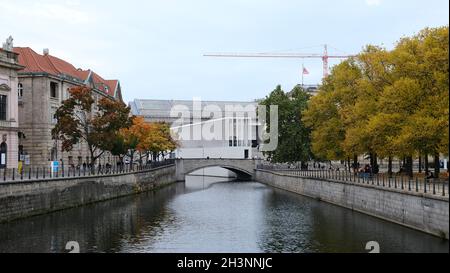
214 129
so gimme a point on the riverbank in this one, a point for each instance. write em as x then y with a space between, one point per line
20 199
230 217
426 213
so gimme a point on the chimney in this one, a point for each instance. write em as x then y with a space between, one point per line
46 51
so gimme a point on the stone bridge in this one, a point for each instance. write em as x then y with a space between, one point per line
243 168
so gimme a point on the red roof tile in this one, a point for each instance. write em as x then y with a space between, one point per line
35 62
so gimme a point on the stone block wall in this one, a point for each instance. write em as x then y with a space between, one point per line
27 198
424 212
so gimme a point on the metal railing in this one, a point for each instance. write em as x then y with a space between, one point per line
432 186
29 173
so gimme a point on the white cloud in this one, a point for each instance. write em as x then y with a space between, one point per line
68 12
373 2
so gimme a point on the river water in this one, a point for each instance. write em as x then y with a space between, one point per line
207 214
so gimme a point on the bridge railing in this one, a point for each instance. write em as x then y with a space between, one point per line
29 173
431 186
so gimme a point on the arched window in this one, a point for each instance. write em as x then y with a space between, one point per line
20 90
3 152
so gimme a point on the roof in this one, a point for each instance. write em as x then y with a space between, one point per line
163 108
36 63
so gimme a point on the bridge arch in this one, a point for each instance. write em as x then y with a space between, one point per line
243 168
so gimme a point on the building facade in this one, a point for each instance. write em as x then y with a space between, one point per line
9 120
42 85
234 124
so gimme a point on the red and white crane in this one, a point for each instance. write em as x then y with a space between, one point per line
323 56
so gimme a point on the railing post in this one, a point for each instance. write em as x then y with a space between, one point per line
425 185
13 174
37 173
402 184
21 173
409 184
30 169
4 174
417 184
395 182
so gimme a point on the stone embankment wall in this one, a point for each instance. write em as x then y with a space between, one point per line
428 213
19 199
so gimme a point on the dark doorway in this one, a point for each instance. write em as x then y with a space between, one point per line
246 154
3 155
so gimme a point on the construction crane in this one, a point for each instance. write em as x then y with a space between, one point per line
323 56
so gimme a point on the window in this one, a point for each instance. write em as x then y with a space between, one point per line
53 90
53 119
3 106
20 90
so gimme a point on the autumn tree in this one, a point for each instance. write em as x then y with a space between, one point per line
158 140
330 114
145 138
386 103
78 122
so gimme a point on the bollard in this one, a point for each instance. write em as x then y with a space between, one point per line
37 173
402 183
29 173
434 187
13 173
383 181
417 184
409 184
4 174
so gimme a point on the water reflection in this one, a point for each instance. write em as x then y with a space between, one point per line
210 215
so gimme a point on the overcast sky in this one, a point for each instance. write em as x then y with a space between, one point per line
155 48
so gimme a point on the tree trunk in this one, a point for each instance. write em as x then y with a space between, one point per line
409 166
420 163
93 160
426 163
437 167
390 166
132 159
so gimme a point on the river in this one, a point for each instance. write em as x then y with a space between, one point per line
206 214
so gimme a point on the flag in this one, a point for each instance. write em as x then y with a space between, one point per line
305 71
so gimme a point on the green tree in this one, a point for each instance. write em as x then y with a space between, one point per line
293 136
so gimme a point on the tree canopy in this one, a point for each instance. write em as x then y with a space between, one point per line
387 103
293 136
